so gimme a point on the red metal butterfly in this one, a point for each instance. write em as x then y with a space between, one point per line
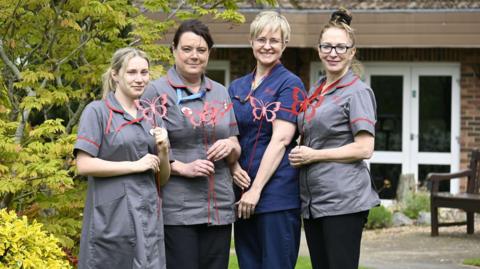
301 103
210 113
153 107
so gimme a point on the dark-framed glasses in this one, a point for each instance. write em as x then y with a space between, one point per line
339 49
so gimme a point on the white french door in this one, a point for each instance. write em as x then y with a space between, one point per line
418 120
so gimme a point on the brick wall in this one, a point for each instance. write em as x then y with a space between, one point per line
298 61
470 108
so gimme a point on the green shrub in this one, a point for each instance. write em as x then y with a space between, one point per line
474 262
24 245
416 202
379 217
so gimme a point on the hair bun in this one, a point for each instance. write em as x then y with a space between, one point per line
341 15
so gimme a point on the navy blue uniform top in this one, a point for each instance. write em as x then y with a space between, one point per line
255 111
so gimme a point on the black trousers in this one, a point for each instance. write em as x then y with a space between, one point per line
334 241
197 246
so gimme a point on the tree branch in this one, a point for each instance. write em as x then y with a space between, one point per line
62 61
74 119
11 16
6 200
180 5
9 63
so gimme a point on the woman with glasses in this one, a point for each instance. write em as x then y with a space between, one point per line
267 234
338 128
198 200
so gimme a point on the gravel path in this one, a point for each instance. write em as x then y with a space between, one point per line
412 247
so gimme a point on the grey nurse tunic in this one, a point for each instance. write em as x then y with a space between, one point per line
122 221
191 131
333 188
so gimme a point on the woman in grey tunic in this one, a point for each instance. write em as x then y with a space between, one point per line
337 126
121 147
198 199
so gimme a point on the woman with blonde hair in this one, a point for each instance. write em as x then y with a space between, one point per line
124 153
267 234
338 128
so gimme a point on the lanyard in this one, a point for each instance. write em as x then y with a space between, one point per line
181 99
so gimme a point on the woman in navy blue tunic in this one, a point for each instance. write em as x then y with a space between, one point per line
267 234
338 128
121 146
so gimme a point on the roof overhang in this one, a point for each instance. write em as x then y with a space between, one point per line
374 28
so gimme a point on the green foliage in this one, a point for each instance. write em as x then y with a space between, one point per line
303 262
415 203
379 217
473 262
52 55
25 245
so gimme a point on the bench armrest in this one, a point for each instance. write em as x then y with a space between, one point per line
435 178
448 176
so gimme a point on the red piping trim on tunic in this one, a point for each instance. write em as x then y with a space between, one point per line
88 140
113 108
362 119
128 123
110 115
110 118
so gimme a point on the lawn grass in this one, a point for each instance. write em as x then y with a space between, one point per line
474 262
302 263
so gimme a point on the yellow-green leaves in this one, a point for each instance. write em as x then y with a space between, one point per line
25 245
53 56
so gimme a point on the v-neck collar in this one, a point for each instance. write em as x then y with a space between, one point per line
348 79
176 82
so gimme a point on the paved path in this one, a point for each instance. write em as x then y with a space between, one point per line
413 248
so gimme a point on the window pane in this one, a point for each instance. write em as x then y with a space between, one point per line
381 173
435 113
217 75
423 171
388 130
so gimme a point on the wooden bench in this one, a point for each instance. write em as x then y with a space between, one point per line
468 201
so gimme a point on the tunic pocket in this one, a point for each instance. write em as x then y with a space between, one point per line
113 234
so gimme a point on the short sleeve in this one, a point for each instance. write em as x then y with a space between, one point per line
362 111
90 134
289 95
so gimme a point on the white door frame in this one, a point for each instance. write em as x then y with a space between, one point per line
452 158
221 65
